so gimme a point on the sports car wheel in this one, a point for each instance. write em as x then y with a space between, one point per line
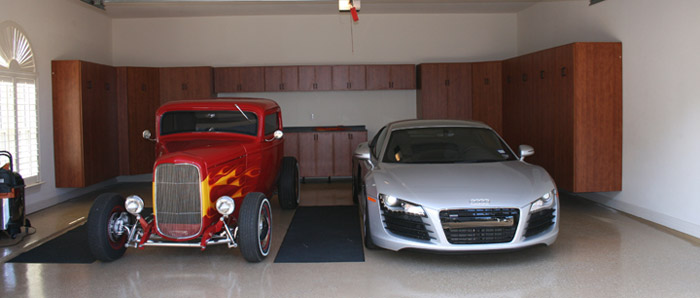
288 185
255 226
105 227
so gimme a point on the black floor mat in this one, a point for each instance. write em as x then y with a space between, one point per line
323 234
70 247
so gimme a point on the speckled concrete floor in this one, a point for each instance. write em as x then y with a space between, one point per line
599 253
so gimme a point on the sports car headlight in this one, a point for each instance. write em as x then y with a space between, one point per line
394 204
133 204
225 205
545 201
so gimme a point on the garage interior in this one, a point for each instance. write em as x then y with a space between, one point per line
629 224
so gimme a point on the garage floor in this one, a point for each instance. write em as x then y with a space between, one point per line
599 253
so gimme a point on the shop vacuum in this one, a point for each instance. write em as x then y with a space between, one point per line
12 217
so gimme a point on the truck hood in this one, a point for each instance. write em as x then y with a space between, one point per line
511 184
206 153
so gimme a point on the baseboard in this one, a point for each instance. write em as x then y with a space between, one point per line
77 192
644 213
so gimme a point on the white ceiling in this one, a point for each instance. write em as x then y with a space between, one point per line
201 8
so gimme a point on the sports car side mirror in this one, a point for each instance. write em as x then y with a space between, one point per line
526 150
362 151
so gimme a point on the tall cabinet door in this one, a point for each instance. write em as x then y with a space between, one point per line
487 94
142 94
433 91
459 91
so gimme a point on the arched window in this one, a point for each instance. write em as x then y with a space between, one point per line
18 104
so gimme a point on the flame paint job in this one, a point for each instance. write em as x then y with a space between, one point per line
230 164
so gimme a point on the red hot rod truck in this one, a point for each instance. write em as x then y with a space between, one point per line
217 164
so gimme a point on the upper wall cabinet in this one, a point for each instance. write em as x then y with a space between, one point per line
445 91
239 79
349 77
315 78
386 77
84 122
282 78
567 103
178 83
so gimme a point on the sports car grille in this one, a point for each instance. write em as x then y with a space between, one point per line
406 225
479 226
539 221
178 203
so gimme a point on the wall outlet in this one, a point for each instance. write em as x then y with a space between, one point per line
313 116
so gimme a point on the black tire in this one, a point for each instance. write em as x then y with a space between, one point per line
288 184
356 186
255 227
369 244
104 244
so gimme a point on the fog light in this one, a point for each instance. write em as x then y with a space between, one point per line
225 205
133 204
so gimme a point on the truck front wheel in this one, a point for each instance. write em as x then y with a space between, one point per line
255 227
105 233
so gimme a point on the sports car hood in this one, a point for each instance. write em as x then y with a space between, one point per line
442 186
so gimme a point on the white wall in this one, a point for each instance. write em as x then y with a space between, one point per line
661 96
319 39
57 29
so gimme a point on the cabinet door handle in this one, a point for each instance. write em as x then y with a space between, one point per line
524 77
487 81
447 82
542 74
315 86
508 79
184 86
89 84
239 87
143 87
563 71
315 137
107 87
350 136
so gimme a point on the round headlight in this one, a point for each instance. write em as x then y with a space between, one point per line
133 204
225 205
392 201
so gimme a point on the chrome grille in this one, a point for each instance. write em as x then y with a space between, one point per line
178 200
479 226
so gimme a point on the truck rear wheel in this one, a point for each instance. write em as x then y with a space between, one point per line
105 235
255 227
288 185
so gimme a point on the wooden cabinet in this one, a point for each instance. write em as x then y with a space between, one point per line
344 144
178 83
349 77
444 91
567 103
323 153
84 122
282 78
387 77
315 78
487 94
138 97
239 79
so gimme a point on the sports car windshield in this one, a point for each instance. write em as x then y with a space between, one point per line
209 121
446 145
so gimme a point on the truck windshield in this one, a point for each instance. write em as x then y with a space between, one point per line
209 121
446 145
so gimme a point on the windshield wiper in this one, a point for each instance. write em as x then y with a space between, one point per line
239 109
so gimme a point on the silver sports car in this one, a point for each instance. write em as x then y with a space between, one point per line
451 186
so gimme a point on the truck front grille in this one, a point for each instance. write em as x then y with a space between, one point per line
178 207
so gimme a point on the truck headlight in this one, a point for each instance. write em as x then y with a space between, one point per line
395 204
545 201
225 205
133 204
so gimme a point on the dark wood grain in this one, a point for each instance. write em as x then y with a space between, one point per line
179 83
143 93
239 79
67 123
487 98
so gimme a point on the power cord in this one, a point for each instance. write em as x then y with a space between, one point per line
26 233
